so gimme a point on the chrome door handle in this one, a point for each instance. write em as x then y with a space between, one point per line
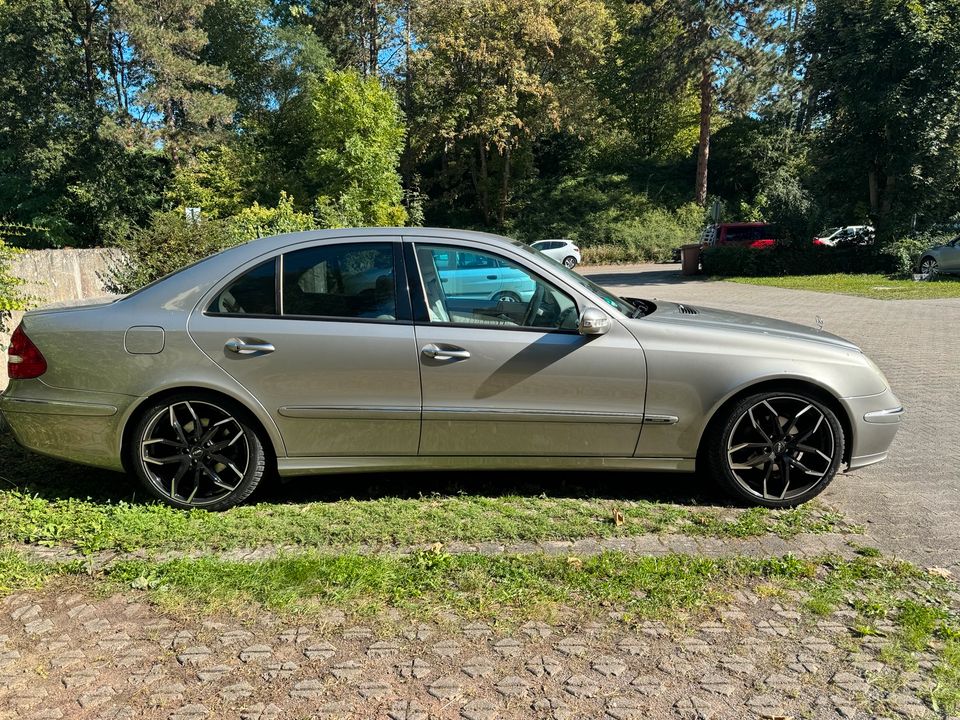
248 346
445 353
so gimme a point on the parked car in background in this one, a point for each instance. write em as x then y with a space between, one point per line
757 235
846 235
472 276
942 258
343 350
563 251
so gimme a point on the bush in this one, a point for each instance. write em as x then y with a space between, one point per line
168 243
796 259
11 297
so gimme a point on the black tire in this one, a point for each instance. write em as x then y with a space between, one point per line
762 475
929 266
570 262
506 296
215 436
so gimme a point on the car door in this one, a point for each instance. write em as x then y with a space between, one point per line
322 336
516 378
950 256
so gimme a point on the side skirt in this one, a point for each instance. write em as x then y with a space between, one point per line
288 467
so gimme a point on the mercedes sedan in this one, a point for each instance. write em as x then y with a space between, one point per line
382 349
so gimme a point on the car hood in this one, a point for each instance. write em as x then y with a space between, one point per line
710 318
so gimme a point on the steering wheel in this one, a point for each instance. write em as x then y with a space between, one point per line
534 306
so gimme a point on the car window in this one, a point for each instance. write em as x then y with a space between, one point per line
253 293
343 281
511 298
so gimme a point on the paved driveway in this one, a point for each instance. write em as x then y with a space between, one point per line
910 504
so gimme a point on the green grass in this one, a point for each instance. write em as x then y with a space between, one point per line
496 588
879 287
46 502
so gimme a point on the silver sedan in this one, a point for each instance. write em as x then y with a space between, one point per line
384 349
942 258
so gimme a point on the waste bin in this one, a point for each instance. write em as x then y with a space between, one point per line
690 259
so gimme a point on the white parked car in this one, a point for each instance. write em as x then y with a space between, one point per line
847 235
563 251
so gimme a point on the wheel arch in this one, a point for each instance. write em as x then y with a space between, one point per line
797 385
133 415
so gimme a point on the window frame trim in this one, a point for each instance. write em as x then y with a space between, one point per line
402 295
421 316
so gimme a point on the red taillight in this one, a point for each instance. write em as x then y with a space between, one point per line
24 359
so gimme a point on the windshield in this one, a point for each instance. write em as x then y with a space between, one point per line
609 298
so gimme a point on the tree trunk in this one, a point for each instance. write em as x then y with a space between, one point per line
703 150
374 32
874 191
504 188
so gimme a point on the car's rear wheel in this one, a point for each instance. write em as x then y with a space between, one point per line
929 266
195 451
506 296
570 262
777 449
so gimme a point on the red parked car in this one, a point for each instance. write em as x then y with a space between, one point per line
746 234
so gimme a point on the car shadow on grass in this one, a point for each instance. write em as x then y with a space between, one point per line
53 479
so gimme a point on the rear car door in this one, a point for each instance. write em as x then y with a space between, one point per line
322 335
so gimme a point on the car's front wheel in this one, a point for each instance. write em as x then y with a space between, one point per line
777 449
194 451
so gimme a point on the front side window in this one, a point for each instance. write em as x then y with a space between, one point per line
488 290
343 281
253 293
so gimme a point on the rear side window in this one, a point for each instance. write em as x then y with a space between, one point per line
253 293
342 281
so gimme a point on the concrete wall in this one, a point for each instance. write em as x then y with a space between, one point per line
59 276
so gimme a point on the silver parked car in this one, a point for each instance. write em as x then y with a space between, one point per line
343 350
942 258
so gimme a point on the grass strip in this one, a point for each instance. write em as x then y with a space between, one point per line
879 287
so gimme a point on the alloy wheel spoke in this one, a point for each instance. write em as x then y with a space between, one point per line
757 427
175 424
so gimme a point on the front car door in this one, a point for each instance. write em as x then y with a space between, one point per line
322 335
511 378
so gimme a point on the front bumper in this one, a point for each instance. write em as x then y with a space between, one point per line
875 420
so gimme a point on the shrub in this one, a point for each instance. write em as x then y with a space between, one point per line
11 297
168 243
259 221
796 259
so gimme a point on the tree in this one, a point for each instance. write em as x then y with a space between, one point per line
354 136
492 76
888 107
180 99
723 48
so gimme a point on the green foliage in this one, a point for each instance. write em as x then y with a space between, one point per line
609 218
353 138
795 259
256 221
168 243
11 297
888 104
218 181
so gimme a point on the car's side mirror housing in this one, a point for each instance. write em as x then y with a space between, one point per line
593 322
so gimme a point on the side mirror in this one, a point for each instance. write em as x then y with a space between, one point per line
593 322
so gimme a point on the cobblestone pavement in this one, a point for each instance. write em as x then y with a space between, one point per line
910 504
73 655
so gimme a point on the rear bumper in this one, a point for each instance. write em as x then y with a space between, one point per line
74 425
